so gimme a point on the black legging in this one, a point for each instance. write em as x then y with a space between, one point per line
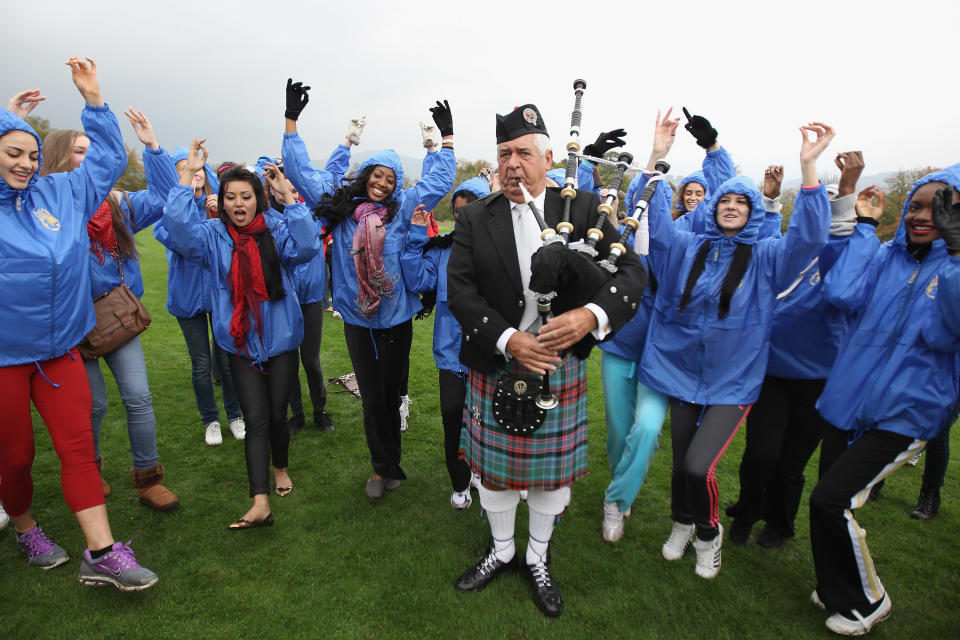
263 398
453 391
310 357
380 357
782 433
700 436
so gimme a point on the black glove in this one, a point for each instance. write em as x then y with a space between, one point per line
443 118
700 128
605 141
297 99
946 218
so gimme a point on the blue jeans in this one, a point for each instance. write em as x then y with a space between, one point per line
635 415
130 372
197 337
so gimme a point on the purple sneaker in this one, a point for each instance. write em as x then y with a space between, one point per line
117 567
40 550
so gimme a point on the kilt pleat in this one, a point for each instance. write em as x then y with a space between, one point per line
554 456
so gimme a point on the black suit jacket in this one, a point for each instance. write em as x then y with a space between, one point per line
484 289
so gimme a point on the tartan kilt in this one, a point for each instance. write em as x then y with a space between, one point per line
554 456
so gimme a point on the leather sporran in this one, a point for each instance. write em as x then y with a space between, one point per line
120 318
514 405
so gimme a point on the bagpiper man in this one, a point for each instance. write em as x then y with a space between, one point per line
511 443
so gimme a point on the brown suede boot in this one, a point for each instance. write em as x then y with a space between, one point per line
152 492
103 483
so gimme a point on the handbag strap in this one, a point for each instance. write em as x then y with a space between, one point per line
116 256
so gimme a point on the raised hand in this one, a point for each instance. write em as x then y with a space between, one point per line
946 218
699 127
355 128
772 179
442 116
297 99
85 78
851 165
810 150
605 141
21 104
431 136
142 127
278 184
865 206
196 158
419 216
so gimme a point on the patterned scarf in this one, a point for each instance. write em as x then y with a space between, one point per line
373 281
100 230
247 286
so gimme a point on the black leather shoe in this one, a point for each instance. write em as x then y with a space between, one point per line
546 594
324 422
484 572
295 423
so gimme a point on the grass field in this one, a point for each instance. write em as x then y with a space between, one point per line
335 565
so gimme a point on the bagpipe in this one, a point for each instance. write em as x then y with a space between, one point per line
564 276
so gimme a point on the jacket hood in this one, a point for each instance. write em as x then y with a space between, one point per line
387 158
477 186
950 175
557 175
743 186
11 122
697 176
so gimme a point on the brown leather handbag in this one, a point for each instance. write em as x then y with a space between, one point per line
120 318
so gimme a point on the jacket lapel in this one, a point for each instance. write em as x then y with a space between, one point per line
502 238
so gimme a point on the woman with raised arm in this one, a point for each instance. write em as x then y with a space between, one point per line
255 312
709 332
46 311
369 217
113 259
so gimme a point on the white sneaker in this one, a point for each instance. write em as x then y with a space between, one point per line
523 494
4 518
708 555
815 599
846 627
238 428
461 500
405 403
336 314
612 527
213 436
474 481
676 544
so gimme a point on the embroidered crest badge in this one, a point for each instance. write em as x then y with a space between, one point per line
530 116
47 219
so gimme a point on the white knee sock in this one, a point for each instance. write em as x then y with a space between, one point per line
545 506
501 508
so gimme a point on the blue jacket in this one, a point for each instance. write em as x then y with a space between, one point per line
147 208
46 309
694 355
435 183
897 371
629 340
188 286
309 278
296 241
427 271
807 330
584 176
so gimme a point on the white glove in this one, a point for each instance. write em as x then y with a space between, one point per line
355 128
431 135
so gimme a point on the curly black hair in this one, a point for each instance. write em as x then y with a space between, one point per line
339 206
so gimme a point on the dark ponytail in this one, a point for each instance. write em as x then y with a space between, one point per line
731 281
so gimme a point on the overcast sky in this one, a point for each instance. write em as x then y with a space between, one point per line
884 74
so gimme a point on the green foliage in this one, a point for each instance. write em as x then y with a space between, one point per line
787 196
40 125
466 169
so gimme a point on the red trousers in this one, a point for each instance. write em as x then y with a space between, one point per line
65 409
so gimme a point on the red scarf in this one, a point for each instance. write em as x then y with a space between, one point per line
100 230
247 286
